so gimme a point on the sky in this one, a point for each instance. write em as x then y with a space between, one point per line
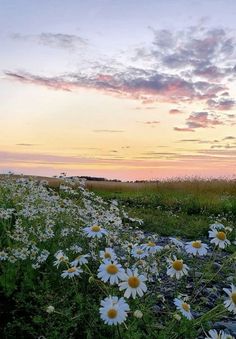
127 90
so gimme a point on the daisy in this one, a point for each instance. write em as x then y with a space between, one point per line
183 307
95 231
107 254
3 256
71 272
217 226
113 310
81 259
196 247
133 284
213 334
60 257
177 242
138 252
177 268
230 303
76 248
151 247
219 238
110 271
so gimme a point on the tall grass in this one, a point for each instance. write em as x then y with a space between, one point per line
179 207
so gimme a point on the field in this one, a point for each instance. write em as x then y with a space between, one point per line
121 260
179 208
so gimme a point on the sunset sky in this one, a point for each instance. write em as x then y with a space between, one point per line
122 89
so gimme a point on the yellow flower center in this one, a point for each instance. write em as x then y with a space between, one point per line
112 269
95 228
107 255
61 258
133 282
139 251
221 235
112 313
233 297
71 270
186 307
196 244
151 244
177 265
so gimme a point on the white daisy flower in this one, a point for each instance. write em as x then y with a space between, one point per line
112 271
219 238
71 272
95 231
213 334
113 310
138 252
151 247
3 256
177 242
60 257
196 247
183 307
107 254
133 283
177 268
217 226
81 260
230 303
76 248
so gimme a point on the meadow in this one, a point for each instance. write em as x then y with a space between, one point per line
181 207
122 260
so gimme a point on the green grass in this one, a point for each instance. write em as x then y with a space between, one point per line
177 208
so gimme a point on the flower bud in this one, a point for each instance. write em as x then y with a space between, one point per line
91 279
138 314
177 316
50 309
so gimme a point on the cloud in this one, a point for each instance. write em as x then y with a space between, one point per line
199 141
230 137
227 146
225 94
175 111
184 129
56 83
199 120
147 86
196 48
202 120
222 104
55 40
223 153
210 72
145 108
108 131
154 122
189 140
27 145
195 65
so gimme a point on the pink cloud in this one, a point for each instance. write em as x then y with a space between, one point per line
183 129
175 111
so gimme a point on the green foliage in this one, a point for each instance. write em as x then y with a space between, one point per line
170 209
177 208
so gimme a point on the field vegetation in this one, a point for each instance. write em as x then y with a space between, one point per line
100 260
181 207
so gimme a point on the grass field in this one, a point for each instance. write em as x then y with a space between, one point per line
181 207
75 265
